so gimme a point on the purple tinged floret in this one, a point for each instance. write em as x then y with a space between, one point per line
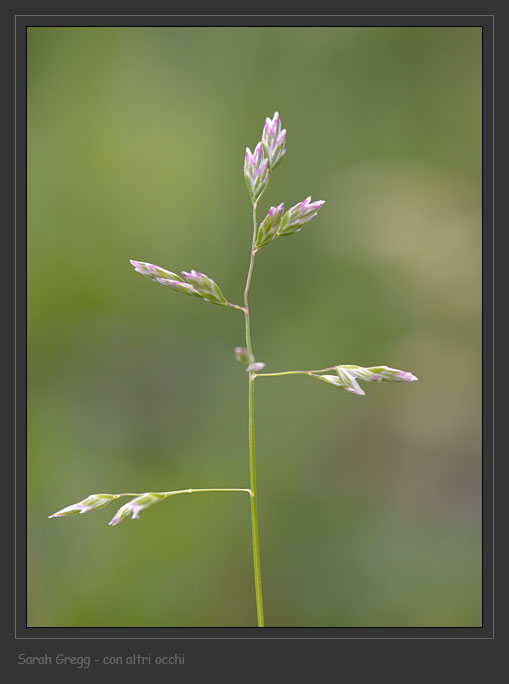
375 374
273 126
408 377
135 506
257 366
256 171
273 140
262 168
276 211
269 226
120 515
242 354
193 275
258 153
91 503
298 215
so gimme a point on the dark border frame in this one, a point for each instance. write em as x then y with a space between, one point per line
20 631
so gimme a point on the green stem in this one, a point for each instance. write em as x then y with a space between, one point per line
192 491
248 284
254 509
183 491
252 456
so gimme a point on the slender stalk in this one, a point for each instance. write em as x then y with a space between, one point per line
236 306
252 456
248 284
297 372
184 491
254 510
193 491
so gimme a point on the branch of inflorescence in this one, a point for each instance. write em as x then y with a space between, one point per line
187 491
295 372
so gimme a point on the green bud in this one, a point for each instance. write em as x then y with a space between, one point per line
242 355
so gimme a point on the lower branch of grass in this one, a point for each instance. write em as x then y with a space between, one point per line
186 491
295 372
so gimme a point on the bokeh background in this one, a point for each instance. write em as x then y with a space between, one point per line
369 506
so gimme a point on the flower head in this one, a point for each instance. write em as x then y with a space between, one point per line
153 272
194 283
347 376
298 215
379 374
274 140
256 171
135 506
269 226
256 366
205 286
91 503
387 374
242 355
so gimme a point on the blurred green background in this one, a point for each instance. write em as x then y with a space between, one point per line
370 507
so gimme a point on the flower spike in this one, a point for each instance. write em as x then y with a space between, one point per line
298 215
274 140
256 172
135 506
347 376
205 287
91 503
269 226
194 283
378 373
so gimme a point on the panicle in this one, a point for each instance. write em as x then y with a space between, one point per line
347 376
380 374
194 283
